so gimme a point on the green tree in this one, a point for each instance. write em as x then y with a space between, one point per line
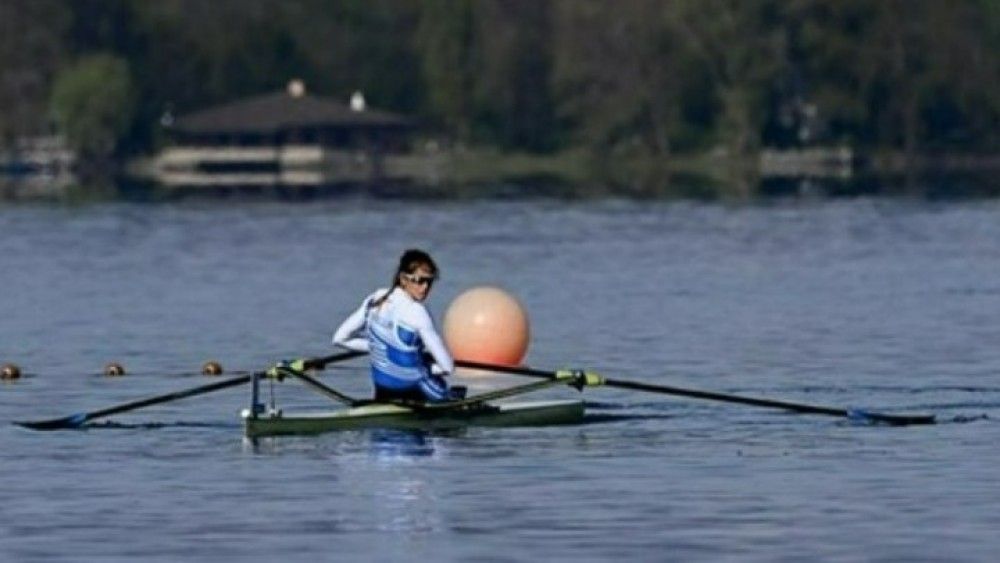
741 44
93 103
31 48
663 77
365 45
615 74
961 108
908 75
445 43
513 98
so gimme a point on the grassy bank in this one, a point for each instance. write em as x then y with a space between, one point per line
694 175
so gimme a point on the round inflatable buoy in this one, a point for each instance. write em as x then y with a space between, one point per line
487 324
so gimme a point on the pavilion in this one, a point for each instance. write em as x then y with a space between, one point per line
287 137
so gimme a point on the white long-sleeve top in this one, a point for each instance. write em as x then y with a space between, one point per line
395 334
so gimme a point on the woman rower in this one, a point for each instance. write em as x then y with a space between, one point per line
396 330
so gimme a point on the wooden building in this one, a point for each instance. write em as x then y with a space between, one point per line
287 138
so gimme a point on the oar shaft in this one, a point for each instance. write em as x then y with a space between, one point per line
240 380
314 363
320 363
895 419
77 420
530 372
712 396
667 390
320 387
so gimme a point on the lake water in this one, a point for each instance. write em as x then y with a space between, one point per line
890 304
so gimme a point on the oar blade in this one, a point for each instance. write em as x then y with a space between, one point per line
867 417
63 423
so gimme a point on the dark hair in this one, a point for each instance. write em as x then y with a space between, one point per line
409 262
412 259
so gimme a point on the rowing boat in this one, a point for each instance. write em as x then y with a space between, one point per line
394 416
484 409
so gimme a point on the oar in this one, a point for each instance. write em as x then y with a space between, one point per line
317 385
79 419
854 414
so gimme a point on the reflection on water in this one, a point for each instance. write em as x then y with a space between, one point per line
387 444
402 500
655 183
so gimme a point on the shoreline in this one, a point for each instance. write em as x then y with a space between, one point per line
487 172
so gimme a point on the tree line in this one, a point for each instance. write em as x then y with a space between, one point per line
655 77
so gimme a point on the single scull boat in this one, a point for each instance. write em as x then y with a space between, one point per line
386 415
479 410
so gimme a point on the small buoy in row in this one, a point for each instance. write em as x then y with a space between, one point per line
10 371
212 368
114 369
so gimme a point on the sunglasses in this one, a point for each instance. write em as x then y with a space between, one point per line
420 280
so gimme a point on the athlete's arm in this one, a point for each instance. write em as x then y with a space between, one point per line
434 345
350 334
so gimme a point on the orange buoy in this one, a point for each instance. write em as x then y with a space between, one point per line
9 372
487 324
114 369
211 368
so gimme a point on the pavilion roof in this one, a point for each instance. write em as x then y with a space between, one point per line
280 111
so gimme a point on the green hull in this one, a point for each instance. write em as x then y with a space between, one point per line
537 413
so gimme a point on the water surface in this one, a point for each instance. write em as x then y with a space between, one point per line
887 304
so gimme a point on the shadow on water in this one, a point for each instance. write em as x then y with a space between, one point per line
113 425
963 419
608 417
599 412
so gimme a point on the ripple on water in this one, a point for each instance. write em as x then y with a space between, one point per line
851 303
